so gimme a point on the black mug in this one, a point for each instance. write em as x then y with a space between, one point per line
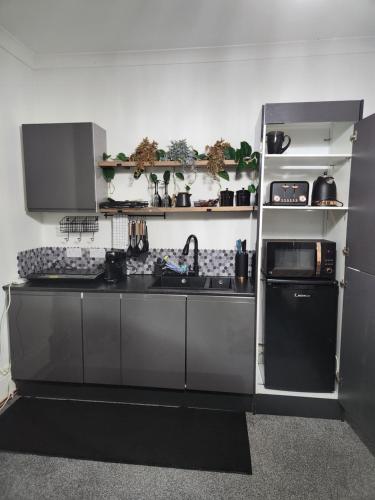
275 140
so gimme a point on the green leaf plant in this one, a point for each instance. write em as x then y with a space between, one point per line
246 159
121 157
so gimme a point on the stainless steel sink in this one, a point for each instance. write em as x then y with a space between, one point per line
220 283
192 282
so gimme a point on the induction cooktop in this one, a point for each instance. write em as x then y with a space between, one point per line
66 274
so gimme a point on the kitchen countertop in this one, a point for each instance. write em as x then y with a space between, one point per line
135 283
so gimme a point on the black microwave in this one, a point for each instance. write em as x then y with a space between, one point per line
296 259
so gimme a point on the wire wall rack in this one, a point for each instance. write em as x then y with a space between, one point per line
79 224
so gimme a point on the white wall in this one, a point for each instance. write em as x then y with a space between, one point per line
18 231
199 101
200 95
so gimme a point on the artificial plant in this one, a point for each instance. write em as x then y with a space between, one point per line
180 151
216 159
146 152
246 158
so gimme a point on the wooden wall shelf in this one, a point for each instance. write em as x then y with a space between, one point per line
175 210
158 164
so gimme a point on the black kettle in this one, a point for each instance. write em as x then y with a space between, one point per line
183 199
324 190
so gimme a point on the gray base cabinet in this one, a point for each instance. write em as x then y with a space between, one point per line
165 341
46 336
153 340
101 338
220 344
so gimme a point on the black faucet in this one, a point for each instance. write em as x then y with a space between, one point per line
185 251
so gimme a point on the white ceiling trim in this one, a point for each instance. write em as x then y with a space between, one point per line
196 55
16 48
208 54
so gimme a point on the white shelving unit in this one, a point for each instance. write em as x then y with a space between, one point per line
315 148
309 209
290 161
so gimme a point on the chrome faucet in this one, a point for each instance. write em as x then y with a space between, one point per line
185 251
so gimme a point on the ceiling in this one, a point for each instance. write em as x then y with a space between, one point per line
72 26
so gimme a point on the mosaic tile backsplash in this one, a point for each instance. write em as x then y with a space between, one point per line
211 262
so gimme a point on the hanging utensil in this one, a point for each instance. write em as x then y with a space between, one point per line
135 238
140 245
129 250
146 245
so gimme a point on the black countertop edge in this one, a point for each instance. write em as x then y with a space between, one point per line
135 283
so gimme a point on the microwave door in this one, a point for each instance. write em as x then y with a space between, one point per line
294 260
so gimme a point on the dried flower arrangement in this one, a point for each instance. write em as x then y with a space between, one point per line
146 152
216 159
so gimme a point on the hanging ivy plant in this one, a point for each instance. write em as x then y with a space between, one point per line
109 174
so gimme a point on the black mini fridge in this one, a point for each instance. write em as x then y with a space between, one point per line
300 335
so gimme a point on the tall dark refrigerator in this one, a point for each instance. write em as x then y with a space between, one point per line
300 335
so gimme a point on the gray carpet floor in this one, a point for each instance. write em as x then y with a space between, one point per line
293 458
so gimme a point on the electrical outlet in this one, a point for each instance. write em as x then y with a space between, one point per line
74 252
97 253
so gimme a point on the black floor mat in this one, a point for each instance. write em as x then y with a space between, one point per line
185 438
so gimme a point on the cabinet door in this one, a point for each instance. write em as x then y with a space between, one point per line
153 340
59 166
220 344
361 216
46 336
357 368
101 338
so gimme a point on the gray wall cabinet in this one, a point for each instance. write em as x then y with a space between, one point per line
46 336
220 344
101 338
153 340
320 111
60 161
